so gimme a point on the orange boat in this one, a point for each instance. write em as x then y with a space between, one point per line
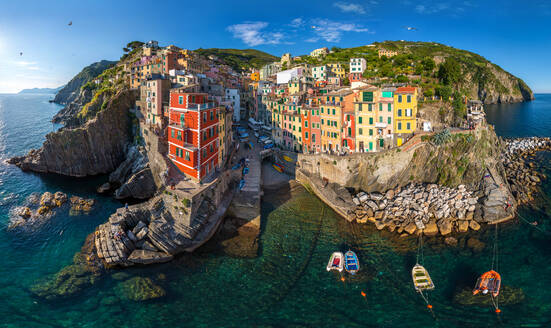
489 282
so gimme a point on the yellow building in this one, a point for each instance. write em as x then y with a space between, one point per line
337 69
331 123
365 112
387 53
405 113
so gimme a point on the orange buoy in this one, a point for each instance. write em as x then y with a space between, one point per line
342 279
429 306
498 311
363 294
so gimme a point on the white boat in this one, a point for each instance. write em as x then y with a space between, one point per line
421 278
336 262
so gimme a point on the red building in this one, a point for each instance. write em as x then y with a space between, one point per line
193 134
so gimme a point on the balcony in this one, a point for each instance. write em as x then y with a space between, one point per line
381 125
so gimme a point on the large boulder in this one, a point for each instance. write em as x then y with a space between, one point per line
431 229
142 256
445 227
47 199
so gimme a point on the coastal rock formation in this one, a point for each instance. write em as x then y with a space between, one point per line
154 231
38 209
94 148
463 159
133 177
71 90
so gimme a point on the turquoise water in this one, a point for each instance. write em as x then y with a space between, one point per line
286 286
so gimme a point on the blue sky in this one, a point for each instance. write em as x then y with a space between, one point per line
513 34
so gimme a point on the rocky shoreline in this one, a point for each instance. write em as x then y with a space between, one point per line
520 167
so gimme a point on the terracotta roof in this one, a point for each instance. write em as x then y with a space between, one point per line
406 90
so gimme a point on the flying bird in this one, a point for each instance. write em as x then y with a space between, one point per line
70 23
314 26
20 54
410 28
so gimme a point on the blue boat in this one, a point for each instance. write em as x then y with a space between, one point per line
268 146
241 184
245 170
351 262
236 166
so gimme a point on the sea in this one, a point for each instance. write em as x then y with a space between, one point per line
287 284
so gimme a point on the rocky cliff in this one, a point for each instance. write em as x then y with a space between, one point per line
96 147
133 178
71 91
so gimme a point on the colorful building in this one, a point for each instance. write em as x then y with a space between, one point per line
388 53
193 138
405 113
319 73
156 93
365 106
357 65
337 69
319 52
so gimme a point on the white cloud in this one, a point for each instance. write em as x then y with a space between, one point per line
312 39
297 22
27 65
252 34
332 31
350 7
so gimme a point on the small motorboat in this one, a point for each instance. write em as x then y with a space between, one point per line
241 184
269 146
489 282
277 168
287 158
421 278
336 262
351 263
245 170
250 145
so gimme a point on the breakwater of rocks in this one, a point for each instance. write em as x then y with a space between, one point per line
429 208
520 167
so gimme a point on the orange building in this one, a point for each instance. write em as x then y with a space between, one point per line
193 134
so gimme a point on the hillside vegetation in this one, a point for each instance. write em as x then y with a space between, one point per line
240 60
70 92
438 69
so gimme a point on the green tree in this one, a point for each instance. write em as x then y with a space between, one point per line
428 64
386 70
402 79
428 92
419 69
459 108
444 92
134 44
449 72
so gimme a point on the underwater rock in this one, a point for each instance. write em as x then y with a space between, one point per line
475 244
507 296
43 210
24 212
451 241
140 289
59 198
67 282
120 276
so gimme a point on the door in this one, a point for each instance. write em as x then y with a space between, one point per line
399 142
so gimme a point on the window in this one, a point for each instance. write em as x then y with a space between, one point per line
204 117
380 119
180 100
380 107
306 135
371 120
322 121
360 120
360 131
389 107
211 148
408 126
370 107
349 131
388 120
179 135
172 133
212 115
333 111
409 98
305 124
187 156
370 145
359 107
204 153
399 98
204 136
313 137
408 112
399 125
370 132
399 112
